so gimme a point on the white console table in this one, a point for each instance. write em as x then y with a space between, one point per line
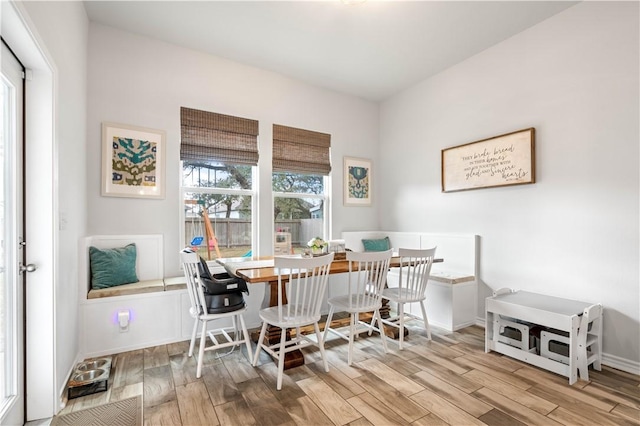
547 311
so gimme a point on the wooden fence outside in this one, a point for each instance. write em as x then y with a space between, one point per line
237 232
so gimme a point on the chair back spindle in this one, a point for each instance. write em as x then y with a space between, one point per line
367 278
302 284
416 272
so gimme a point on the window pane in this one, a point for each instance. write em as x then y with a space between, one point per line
229 217
298 183
302 217
201 174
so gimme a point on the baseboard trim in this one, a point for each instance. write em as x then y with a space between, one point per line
622 364
62 393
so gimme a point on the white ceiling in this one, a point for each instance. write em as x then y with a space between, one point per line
371 50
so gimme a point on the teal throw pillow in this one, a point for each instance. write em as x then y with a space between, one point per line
112 267
382 244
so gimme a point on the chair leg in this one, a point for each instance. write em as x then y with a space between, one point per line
401 315
327 324
426 320
281 354
352 330
370 324
236 328
247 341
263 331
383 336
193 336
321 347
203 340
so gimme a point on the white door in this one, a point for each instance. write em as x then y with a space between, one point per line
12 378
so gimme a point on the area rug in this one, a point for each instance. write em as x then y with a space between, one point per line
127 412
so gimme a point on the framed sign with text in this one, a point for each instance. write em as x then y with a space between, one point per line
503 160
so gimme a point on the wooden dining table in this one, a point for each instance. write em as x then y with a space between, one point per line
255 270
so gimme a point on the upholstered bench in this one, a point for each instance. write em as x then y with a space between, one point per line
155 316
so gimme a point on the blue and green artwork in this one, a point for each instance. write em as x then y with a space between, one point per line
358 182
134 162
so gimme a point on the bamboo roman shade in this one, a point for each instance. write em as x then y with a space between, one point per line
208 136
301 151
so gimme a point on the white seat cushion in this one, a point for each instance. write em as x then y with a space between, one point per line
148 286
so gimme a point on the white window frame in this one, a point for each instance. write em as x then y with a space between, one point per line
222 191
326 206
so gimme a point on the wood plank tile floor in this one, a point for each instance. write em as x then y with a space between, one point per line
446 381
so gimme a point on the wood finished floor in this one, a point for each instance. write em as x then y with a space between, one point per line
446 381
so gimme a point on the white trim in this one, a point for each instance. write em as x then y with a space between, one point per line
253 193
19 31
621 364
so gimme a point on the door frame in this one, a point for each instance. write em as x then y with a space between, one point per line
13 71
42 398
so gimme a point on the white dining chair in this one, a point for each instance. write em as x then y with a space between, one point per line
412 286
367 277
199 310
302 284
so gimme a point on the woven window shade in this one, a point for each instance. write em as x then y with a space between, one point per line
301 151
208 136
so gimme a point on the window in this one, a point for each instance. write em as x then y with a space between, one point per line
219 154
301 165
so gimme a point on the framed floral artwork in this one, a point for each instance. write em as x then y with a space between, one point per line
357 182
133 161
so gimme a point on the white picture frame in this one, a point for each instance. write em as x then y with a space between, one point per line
357 181
133 161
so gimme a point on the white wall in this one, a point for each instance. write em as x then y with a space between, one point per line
574 233
141 81
55 152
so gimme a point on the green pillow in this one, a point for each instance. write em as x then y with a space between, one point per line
112 267
382 244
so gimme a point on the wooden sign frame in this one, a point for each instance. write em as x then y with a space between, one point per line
503 160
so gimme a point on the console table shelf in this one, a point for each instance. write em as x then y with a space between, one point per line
581 321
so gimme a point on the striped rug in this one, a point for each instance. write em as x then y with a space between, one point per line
127 412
